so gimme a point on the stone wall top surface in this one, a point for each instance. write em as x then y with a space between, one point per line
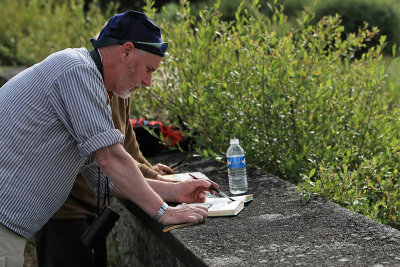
277 229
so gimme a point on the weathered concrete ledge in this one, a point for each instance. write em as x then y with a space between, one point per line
274 230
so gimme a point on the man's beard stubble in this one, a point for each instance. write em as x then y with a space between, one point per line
124 94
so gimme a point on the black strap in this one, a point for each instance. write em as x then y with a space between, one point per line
106 198
94 53
98 191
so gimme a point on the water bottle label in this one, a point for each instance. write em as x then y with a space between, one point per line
236 162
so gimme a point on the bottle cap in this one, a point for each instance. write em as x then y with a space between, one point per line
234 141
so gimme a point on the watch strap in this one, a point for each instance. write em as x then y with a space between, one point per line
161 211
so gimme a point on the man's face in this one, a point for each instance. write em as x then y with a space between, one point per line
137 73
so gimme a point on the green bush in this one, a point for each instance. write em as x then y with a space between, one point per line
283 94
355 12
44 27
294 98
372 188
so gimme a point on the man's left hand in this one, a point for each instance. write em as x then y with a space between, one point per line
162 169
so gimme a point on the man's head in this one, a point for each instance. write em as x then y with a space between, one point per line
131 46
134 27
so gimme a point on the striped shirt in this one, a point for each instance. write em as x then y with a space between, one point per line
54 116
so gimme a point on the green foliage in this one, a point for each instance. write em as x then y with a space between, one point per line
371 188
49 26
295 98
284 95
355 12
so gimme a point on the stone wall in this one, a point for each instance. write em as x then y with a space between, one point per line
133 243
276 229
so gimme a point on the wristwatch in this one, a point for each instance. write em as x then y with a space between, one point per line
161 211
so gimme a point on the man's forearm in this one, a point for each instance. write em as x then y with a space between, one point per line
163 188
119 166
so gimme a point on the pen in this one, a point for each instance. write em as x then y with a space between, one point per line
215 189
177 165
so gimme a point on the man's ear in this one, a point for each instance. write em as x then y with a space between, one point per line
127 50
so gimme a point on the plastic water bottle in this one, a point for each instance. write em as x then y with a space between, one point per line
236 168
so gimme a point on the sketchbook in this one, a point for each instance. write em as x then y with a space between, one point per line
184 176
217 206
220 206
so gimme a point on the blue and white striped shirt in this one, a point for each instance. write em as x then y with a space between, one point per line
53 117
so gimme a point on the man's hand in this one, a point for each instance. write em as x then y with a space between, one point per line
189 191
162 169
184 214
161 178
192 191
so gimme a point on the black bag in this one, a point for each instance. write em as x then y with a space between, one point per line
100 227
104 220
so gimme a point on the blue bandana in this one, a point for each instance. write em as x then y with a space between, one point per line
135 27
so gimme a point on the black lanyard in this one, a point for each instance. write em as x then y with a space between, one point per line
94 53
106 217
106 193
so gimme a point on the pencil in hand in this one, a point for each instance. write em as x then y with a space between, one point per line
215 189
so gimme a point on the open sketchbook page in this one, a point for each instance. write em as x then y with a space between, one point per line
223 207
219 206
184 176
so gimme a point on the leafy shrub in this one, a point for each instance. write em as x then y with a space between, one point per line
355 12
294 98
283 94
372 188
49 26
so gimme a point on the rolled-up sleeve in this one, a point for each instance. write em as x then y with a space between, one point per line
101 140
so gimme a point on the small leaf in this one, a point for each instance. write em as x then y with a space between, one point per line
305 199
190 98
311 174
317 72
211 152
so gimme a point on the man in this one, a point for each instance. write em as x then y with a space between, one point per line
56 122
58 242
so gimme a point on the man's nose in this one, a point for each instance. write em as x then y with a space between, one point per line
147 80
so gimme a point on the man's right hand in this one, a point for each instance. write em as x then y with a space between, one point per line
185 213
